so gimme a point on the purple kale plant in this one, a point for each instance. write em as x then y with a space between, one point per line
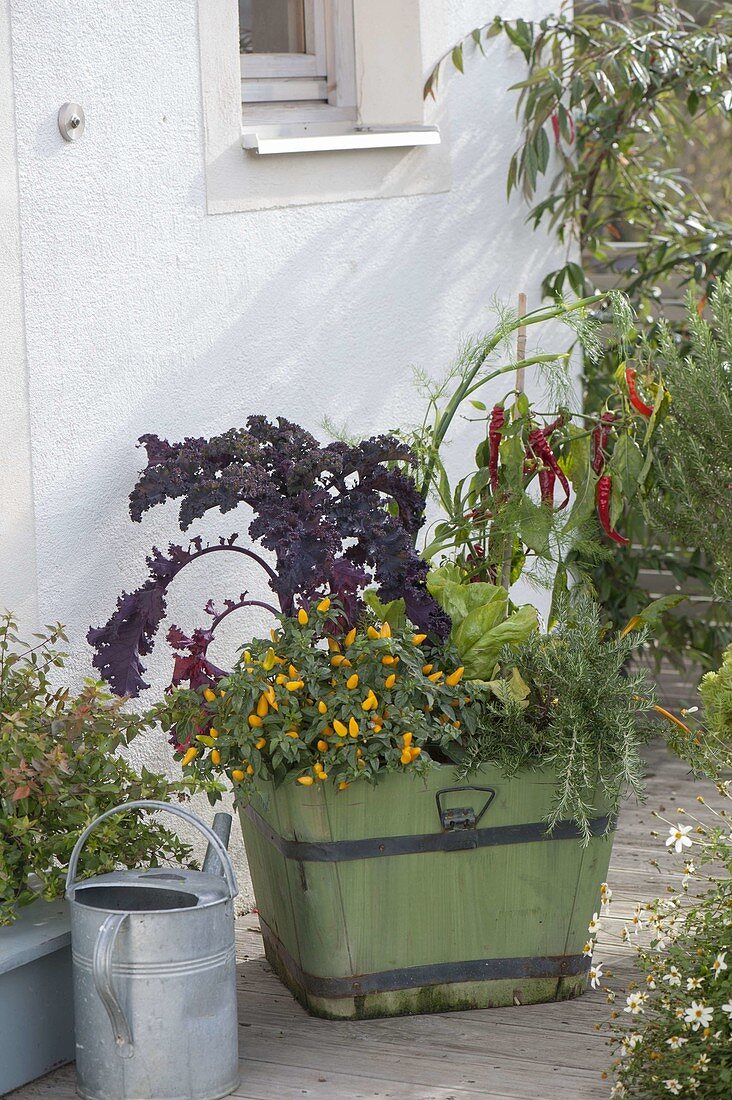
335 519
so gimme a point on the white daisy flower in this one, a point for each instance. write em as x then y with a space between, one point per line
595 975
702 1063
728 1009
698 1015
634 1003
673 1085
673 977
594 925
719 964
693 984
678 837
587 949
677 1041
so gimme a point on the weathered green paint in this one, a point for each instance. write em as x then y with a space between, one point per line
366 916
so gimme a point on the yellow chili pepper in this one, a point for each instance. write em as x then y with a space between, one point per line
407 739
190 754
322 746
353 727
322 707
390 680
370 702
215 756
417 639
406 757
209 695
427 668
294 674
322 775
372 633
250 769
213 733
280 678
269 660
292 733
436 676
324 605
352 681
342 786
303 617
333 645
385 630
337 660
237 774
327 731
294 685
350 636
414 753
254 721
340 728
260 743
389 660
306 780
455 677
263 706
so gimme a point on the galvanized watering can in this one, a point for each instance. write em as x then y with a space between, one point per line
153 955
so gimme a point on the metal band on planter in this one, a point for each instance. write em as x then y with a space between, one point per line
413 977
335 851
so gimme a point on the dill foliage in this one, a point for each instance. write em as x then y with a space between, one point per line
583 715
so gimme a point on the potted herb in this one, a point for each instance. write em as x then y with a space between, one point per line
59 768
341 732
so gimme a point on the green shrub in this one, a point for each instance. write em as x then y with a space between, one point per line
60 768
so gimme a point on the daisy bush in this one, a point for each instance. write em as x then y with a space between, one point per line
671 1031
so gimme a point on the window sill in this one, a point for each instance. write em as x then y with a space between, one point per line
269 140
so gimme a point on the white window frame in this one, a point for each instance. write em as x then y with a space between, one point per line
390 148
316 86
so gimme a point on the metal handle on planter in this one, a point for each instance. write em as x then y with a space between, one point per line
210 835
102 975
463 817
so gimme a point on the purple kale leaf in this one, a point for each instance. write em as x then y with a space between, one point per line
335 519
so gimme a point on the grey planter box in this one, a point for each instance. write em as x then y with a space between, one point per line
36 994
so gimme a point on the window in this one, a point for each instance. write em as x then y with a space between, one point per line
297 60
336 82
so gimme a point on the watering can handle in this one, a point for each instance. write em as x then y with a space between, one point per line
210 835
102 975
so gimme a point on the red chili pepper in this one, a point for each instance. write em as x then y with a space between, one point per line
600 437
555 126
539 447
604 490
497 421
546 486
554 426
636 401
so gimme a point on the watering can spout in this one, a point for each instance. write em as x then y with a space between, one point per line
222 827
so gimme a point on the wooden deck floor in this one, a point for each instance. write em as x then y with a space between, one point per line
541 1052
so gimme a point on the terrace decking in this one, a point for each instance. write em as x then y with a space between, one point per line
540 1052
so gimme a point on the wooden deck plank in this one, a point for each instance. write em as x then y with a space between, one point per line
537 1052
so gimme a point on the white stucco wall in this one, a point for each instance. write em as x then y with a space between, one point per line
144 313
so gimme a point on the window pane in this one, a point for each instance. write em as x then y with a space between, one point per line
272 26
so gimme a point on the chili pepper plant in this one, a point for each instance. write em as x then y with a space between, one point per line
317 703
543 479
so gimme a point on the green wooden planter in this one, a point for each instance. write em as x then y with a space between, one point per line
373 903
